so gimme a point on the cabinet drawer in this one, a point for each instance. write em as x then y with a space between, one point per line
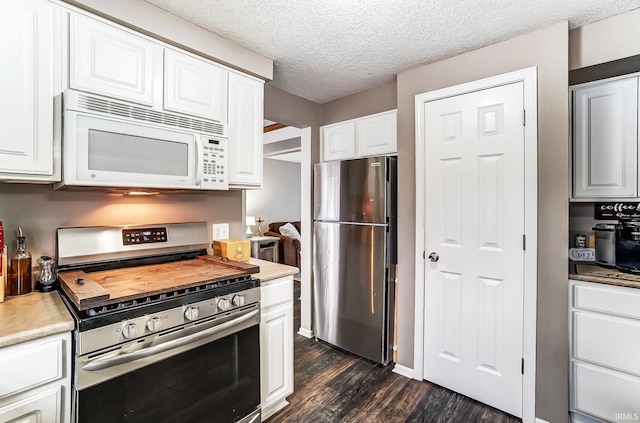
277 291
608 299
42 407
25 366
607 340
604 393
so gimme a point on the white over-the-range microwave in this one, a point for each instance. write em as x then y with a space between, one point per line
113 144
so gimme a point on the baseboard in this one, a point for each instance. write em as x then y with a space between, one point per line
307 333
541 421
576 417
272 409
403 371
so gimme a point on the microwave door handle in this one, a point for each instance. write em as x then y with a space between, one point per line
199 160
109 360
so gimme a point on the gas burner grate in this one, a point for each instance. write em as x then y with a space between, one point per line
151 299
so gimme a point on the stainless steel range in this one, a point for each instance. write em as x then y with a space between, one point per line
164 333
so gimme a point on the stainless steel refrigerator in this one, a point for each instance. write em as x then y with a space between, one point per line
355 255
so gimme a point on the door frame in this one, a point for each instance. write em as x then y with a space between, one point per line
529 78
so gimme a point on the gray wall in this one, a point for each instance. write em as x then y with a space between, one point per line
279 198
40 211
605 40
548 50
368 102
283 107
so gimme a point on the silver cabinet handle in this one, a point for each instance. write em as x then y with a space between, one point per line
434 256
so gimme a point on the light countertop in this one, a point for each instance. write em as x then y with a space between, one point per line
593 273
270 270
32 316
36 315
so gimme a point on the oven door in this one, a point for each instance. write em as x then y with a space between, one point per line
204 372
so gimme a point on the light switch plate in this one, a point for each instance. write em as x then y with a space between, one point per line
220 231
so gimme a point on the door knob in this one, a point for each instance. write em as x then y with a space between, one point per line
434 256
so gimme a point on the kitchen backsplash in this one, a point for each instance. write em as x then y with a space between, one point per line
582 220
40 211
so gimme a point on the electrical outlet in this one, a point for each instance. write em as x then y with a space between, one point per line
220 231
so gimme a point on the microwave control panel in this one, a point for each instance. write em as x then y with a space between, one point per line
214 170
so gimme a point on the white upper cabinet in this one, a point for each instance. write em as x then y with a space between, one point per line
367 136
246 115
377 134
195 87
605 151
107 60
338 141
27 107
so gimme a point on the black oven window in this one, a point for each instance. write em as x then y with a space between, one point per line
216 382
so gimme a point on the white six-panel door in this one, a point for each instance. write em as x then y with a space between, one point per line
475 203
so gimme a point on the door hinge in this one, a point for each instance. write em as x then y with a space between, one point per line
524 117
522 369
424 255
524 242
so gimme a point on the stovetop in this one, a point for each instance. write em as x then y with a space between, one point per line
93 318
112 274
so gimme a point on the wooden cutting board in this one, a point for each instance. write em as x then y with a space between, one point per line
112 286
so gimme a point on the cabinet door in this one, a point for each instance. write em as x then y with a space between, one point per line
195 87
605 119
106 60
377 135
338 141
603 392
276 345
44 406
26 110
246 116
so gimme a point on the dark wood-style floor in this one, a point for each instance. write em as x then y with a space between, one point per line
333 386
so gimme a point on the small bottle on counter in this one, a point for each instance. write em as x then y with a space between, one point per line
3 265
20 273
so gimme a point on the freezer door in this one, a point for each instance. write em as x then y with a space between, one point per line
351 191
350 288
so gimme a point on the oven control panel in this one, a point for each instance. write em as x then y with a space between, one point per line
143 236
163 322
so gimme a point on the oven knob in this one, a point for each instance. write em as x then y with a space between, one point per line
238 300
153 324
224 304
129 330
191 313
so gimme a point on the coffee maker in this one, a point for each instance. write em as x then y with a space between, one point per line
627 240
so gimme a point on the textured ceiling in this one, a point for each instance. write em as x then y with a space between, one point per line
326 49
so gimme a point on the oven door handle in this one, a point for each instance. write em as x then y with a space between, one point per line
111 361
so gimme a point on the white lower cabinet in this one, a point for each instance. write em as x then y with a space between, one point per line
605 346
42 407
276 345
35 381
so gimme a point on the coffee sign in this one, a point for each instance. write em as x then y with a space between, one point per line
616 211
